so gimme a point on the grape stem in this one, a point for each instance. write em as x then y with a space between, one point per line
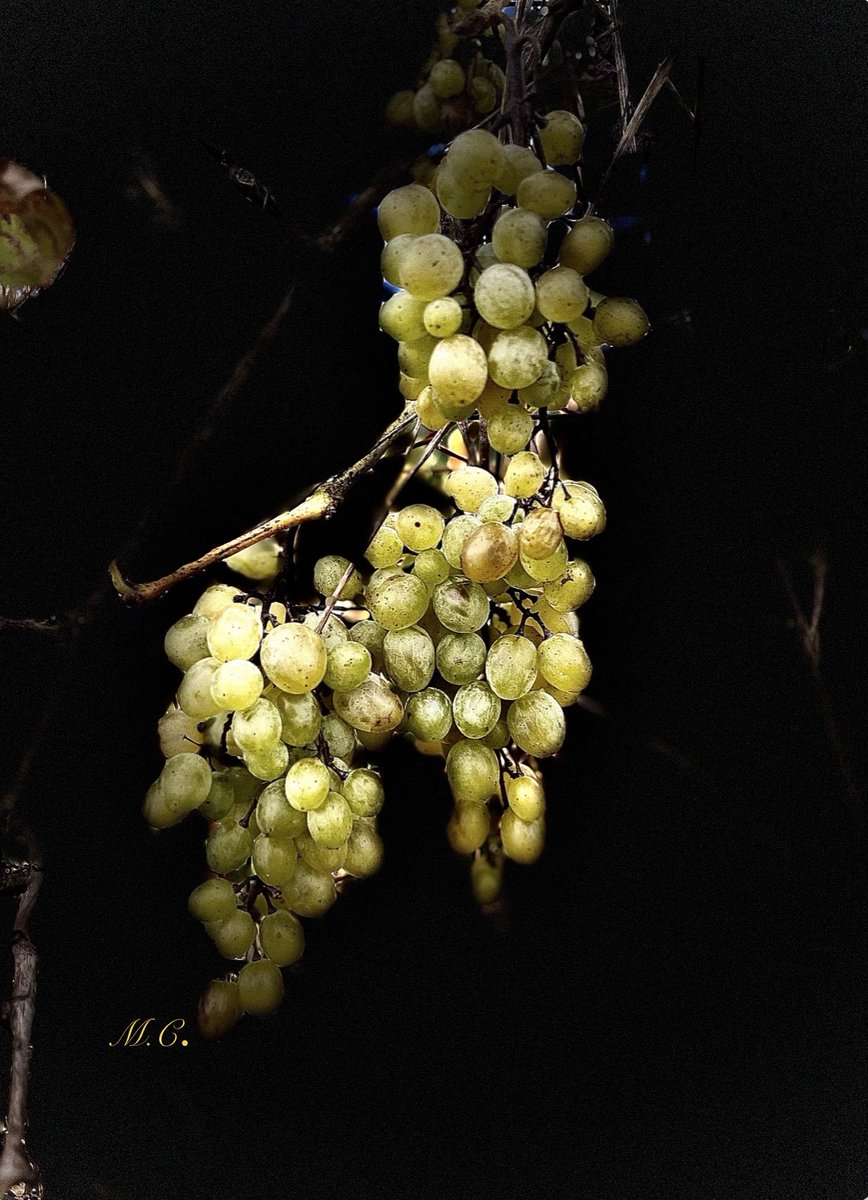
320 504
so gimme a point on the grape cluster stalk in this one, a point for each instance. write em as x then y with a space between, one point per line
459 631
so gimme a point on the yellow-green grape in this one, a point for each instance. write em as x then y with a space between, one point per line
524 475
363 791
186 642
452 412
275 815
540 534
235 633
489 553
446 78
402 316
460 657
281 936
414 357
456 533
410 209
294 657
244 787
447 40
329 571
526 797
486 878
517 357
310 893
561 138
588 385
411 386
330 824
155 810
332 632
213 900
260 987
391 255
461 605
469 486
426 109
300 717
541 570
269 763
385 548
364 854
456 197
504 295
259 562
516 163
214 599
371 635
399 110
419 526
586 245
431 266
219 1009
570 589
429 413
371 707
564 663
409 658
443 317
468 827
483 94
510 429
340 738
348 665
307 784
475 158
492 400
257 727
561 294
554 621
523 841
237 683
321 858
228 847
428 713
547 193
179 734
588 339
458 369
472 771
497 508
185 782
475 709
580 510
432 567
519 235
396 601
274 859
511 666
536 722
619 321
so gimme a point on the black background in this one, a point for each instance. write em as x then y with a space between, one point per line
672 1002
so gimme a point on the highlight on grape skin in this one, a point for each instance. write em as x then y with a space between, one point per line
36 235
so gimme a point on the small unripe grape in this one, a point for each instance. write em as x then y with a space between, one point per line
275 815
536 722
517 357
258 562
526 797
483 94
185 781
402 316
385 548
510 429
460 605
475 158
504 295
432 567
456 197
443 317
541 570
588 385
281 936
268 763
570 589
455 535
274 859
348 665
620 321
476 709
431 266
310 893
178 733
469 486
213 900
372 636
547 193
561 294
540 534
228 847
156 812
472 771
489 553
562 138
294 657
307 784
516 163
214 599
457 369
429 413
523 841
486 879
563 662
429 713
398 601
300 717
233 936
399 110
511 666
519 236
235 632
364 852
411 209
409 658
468 827
587 244
219 1009
524 475
426 109
493 399
257 727
363 791
330 824
371 707
194 691
329 570
446 78
236 684
260 987
186 642
420 526
581 512
391 255
461 657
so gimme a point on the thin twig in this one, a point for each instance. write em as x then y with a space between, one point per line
649 95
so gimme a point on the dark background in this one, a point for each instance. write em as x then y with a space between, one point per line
672 1003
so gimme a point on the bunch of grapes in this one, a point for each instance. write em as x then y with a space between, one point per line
461 631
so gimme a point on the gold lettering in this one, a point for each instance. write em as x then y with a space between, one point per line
135 1032
178 1024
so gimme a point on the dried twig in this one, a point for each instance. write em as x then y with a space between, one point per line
658 79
